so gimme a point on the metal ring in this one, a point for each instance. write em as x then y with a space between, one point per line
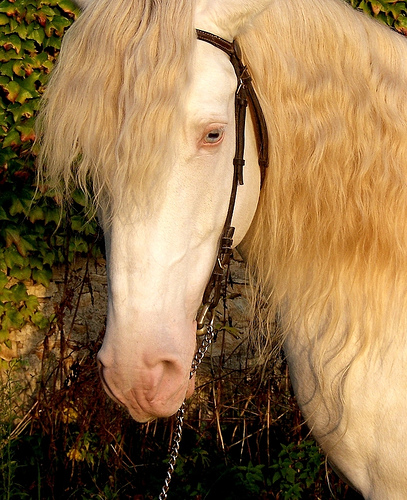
207 311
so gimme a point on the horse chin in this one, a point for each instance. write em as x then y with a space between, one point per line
146 411
143 409
155 393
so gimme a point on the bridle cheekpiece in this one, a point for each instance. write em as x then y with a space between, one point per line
244 96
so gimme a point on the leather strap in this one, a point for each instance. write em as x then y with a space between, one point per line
232 49
245 95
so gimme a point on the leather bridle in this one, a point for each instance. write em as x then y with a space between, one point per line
245 96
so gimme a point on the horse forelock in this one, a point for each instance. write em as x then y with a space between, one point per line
111 112
329 238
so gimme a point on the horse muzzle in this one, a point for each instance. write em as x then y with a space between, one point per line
150 383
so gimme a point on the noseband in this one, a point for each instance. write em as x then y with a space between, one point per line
244 96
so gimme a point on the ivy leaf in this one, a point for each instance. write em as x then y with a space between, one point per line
30 14
4 335
3 280
78 245
30 307
53 215
12 139
25 246
57 25
49 258
13 258
68 7
27 131
12 235
13 42
36 262
21 274
26 88
4 19
397 9
36 34
10 87
22 31
19 206
19 292
7 8
30 47
21 111
46 10
80 198
77 223
3 214
401 25
377 7
53 42
12 319
7 68
36 214
40 321
38 60
42 276
31 303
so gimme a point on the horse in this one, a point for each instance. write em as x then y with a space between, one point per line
139 113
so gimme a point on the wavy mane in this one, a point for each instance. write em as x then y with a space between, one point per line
328 247
114 98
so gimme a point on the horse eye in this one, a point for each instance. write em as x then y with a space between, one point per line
214 136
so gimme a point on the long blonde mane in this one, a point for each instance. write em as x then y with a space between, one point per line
328 247
115 98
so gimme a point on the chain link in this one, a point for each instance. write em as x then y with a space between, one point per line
174 451
179 419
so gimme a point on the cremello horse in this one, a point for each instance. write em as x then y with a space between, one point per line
145 111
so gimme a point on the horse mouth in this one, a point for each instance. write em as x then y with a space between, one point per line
149 400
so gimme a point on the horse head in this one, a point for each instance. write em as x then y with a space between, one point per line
161 251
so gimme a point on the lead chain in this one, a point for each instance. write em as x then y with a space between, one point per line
179 419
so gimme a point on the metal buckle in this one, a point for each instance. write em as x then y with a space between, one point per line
206 312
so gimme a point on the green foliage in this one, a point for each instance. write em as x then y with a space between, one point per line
35 233
10 389
391 12
298 468
30 37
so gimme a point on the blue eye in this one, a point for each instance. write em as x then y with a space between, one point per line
214 136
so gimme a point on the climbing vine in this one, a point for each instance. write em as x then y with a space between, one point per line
35 233
391 12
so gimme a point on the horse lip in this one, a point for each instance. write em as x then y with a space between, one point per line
137 413
150 411
145 405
